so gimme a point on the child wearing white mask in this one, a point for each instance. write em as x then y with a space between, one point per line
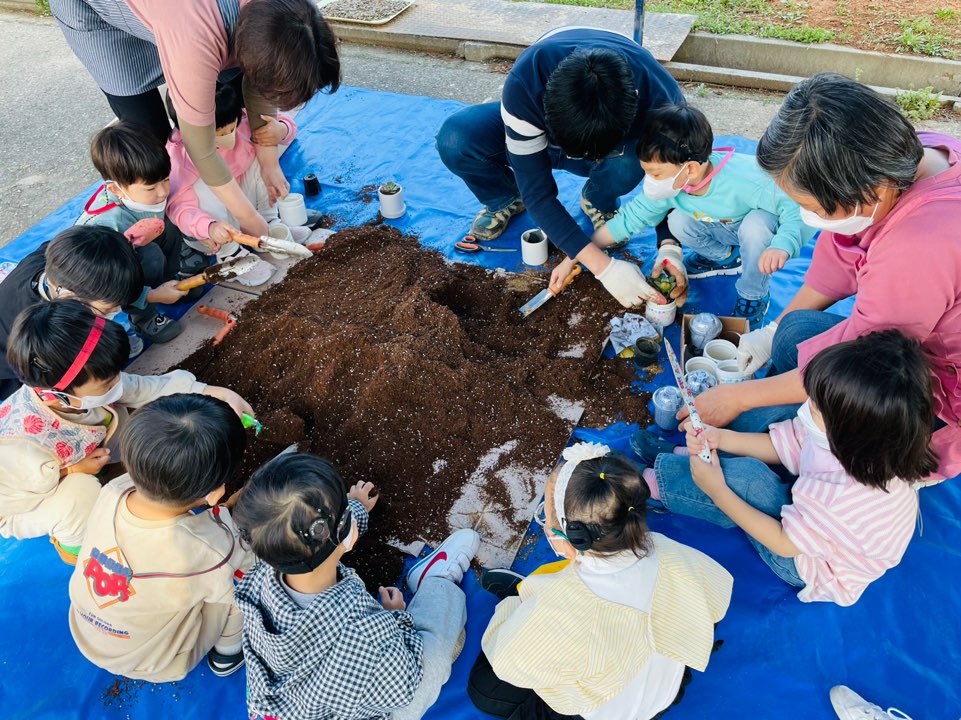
855 451
195 208
59 430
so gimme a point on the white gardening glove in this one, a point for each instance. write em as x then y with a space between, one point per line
670 257
626 283
754 349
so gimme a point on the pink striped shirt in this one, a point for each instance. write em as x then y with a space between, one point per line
848 534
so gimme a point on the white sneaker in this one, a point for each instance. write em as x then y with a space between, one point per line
851 706
449 561
136 344
300 234
257 275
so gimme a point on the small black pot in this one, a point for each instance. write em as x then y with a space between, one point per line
311 185
645 351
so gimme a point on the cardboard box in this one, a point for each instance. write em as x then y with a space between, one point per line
734 325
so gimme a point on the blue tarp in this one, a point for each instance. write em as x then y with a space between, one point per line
900 645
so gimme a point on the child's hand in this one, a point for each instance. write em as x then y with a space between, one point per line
695 443
90 465
772 260
239 405
560 274
392 599
271 134
708 477
218 235
365 493
166 294
144 232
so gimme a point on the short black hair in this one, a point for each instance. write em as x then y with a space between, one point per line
609 494
181 447
874 394
675 134
281 501
287 50
838 140
590 102
126 154
96 264
229 105
47 337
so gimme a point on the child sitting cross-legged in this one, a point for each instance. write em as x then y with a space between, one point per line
153 591
317 644
611 631
856 447
60 429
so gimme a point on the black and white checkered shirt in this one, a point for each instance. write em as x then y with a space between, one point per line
342 658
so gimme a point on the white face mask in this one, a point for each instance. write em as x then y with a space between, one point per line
819 436
89 402
226 142
112 315
661 189
144 207
843 226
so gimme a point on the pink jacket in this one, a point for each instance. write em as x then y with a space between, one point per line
905 273
183 208
848 534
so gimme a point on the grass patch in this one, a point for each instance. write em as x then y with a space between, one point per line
922 37
43 7
918 105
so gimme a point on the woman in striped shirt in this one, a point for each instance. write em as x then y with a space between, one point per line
856 447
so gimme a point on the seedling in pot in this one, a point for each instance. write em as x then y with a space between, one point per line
664 283
390 188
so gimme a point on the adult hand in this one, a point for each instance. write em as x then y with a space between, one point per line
271 134
695 443
237 403
166 294
365 493
754 348
707 476
560 273
145 231
670 257
273 176
626 283
392 599
717 406
92 464
253 224
772 260
218 235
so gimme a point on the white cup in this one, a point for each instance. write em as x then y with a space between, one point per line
660 315
534 247
701 363
279 231
292 209
720 350
728 372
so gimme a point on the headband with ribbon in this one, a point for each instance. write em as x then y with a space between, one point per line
573 456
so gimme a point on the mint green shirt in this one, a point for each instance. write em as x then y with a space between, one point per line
740 187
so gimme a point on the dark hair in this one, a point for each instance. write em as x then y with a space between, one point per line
609 495
96 264
838 140
675 134
126 154
874 394
281 501
590 102
287 50
47 337
181 447
229 105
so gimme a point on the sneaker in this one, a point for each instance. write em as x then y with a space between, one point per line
300 234
752 310
597 217
699 266
648 446
449 561
850 706
501 582
257 275
192 262
223 665
156 327
136 344
490 224
67 557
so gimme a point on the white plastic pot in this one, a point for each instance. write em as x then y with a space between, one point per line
720 350
279 231
392 206
701 363
728 372
293 211
534 247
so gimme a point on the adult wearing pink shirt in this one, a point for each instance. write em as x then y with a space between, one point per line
284 49
887 199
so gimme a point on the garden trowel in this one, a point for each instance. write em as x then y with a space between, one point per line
546 294
220 273
265 243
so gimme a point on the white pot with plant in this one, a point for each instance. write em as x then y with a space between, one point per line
391 196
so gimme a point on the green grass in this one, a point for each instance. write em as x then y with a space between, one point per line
947 14
922 37
43 7
917 105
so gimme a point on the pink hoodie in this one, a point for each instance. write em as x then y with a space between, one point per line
905 273
183 208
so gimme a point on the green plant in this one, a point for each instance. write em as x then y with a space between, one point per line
918 104
920 36
701 91
947 14
390 188
43 7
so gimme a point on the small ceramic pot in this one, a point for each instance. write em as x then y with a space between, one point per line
728 372
534 247
720 350
660 315
392 206
667 401
701 363
292 209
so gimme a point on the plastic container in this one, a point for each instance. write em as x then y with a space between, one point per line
279 231
698 381
392 205
660 315
292 209
720 350
534 247
311 185
645 351
667 401
704 327
701 363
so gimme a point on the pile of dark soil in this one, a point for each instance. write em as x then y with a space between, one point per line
407 371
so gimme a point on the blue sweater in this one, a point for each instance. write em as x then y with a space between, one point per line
522 110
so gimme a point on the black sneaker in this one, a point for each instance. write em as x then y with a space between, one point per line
223 665
648 446
192 262
501 582
156 327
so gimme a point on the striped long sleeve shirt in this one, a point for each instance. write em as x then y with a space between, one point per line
848 534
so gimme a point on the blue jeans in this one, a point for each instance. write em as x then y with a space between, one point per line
714 240
471 144
750 479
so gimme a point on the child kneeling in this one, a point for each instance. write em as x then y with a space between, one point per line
856 446
153 591
317 644
611 634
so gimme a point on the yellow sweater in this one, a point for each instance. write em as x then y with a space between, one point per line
578 651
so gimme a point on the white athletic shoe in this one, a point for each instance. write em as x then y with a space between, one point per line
300 234
257 275
449 561
851 706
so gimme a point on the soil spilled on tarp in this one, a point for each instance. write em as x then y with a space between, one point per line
421 376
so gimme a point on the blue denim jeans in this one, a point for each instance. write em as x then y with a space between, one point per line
751 480
471 144
714 240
